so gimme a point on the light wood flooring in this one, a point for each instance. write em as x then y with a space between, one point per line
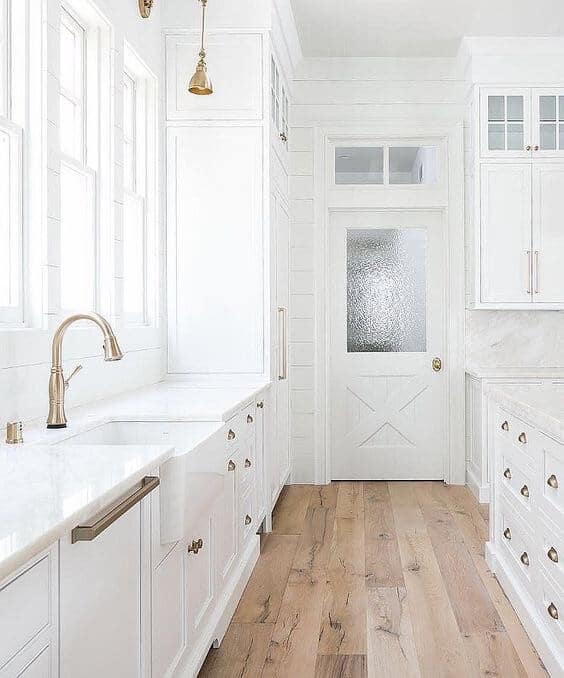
374 579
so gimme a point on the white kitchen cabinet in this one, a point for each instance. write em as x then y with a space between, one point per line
104 595
260 454
227 532
200 576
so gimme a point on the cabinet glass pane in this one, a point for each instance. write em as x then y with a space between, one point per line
496 137
547 108
561 108
514 137
359 165
413 164
548 137
515 109
561 138
386 290
496 108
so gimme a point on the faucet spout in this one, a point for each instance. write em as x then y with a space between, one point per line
57 387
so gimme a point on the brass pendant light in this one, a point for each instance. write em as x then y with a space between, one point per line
200 82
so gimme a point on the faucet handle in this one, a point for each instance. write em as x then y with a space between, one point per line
72 374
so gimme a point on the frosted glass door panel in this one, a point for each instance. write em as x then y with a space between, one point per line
359 165
386 290
413 164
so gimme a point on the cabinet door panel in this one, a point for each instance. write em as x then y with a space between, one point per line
505 123
548 123
226 534
200 587
505 233
548 232
283 298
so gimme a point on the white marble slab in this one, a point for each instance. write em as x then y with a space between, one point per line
543 407
485 372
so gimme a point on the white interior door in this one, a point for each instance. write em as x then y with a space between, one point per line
387 324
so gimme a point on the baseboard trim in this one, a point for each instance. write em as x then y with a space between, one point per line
481 492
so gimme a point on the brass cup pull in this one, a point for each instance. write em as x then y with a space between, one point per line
527 148
525 491
248 519
248 463
507 473
507 533
525 559
231 434
552 554
260 405
553 611
249 419
552 482
522 438
231 465
195 546
505 425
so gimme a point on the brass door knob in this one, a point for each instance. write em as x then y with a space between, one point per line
552 482
553 611
248 519
525 491
507 533
195 546
505 425
249 419
437 364
231 434
283 137
522 437
231 465
260 405
552 554
248 463
507 473
525 559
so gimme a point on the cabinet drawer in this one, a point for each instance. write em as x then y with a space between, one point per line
233 431
247 516
551 606
552 480
515 477
517 432
248 418
552 551
517 544
25 608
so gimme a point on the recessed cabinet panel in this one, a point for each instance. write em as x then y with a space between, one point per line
505 233
234 60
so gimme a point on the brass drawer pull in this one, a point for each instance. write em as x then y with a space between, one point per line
553 611
248 463
195 546
525 491
552 482
231 465
553 554
522 438
249 419
248 519
231 434
507 473
260 405
505 425
90 532
525 559
507 533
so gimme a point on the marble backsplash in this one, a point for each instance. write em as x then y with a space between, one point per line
515 338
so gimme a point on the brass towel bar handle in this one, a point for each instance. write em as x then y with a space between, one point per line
90 532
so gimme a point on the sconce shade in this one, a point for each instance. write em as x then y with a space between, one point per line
201 82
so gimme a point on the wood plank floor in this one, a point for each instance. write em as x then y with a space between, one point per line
374 579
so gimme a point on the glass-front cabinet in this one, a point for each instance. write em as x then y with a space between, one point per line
522 123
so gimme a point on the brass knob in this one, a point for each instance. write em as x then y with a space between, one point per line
248 519
505 425
507 473
553 554
231 465
527 148
283 137
437 364
231 434
260 405
522 438
507 533
248 463
525 559
249 419
552 482
525 491
195 546
553 611
536 148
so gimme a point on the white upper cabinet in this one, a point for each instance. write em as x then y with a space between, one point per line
548 116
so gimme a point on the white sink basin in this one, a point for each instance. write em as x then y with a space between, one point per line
189 484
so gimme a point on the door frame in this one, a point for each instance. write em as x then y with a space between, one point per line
447 197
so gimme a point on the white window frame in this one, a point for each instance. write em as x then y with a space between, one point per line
144 188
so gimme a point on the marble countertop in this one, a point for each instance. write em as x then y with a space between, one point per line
541 406
515 372
47 488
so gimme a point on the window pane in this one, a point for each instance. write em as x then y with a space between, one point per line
515 138
561 137
547 108
515 108
359 165
386 290
548 137
496 108
496 137
70 143
413 164
68 59
77 240
134 257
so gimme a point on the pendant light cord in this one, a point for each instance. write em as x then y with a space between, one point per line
204 3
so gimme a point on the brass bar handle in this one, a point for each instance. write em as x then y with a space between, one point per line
553 611
552 554
530 272
248 519
525 491
522 438
507 473
231 465
283 349
260 405
249 419
248 463
231 434
507 533
552 482
90 532
536 266
505 426
195 546
525 559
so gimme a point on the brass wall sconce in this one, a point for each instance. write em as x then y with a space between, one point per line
201 83
145 7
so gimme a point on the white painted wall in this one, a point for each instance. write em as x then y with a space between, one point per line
25 353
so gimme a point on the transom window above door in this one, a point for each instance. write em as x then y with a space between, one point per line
386 165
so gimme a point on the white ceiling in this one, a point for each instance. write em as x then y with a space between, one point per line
417 28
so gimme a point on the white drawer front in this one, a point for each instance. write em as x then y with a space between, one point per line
515 477
552 479
25 608
552 552
248 420
517 432
517 544
247 516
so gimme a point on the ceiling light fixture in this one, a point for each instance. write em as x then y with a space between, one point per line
200 82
